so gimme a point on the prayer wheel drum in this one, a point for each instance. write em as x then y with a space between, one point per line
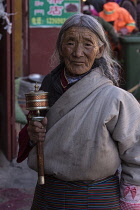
36 100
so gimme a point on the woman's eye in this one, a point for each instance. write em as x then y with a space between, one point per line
70 43
88 44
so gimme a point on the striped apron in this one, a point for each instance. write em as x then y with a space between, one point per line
74 195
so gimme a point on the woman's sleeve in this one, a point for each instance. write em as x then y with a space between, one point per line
24 146
126 133
125 130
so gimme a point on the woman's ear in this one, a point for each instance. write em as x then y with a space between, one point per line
100 53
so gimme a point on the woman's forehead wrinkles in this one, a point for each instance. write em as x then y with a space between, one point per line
75 32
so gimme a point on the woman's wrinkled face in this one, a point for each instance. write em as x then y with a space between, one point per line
79 50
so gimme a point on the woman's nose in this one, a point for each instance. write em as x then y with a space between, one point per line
78 51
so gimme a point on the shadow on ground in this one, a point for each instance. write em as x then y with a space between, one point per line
17 184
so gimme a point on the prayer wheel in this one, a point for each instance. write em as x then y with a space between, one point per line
35 101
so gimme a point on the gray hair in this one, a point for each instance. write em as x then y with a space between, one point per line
106 63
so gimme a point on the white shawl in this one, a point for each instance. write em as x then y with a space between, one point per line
91 128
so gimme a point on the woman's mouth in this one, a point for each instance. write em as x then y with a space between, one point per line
77 62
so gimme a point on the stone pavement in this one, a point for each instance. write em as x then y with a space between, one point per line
17 184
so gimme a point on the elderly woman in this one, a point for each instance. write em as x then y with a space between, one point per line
91 128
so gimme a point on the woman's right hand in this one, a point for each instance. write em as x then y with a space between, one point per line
37 130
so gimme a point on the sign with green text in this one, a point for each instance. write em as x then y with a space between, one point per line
51 13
